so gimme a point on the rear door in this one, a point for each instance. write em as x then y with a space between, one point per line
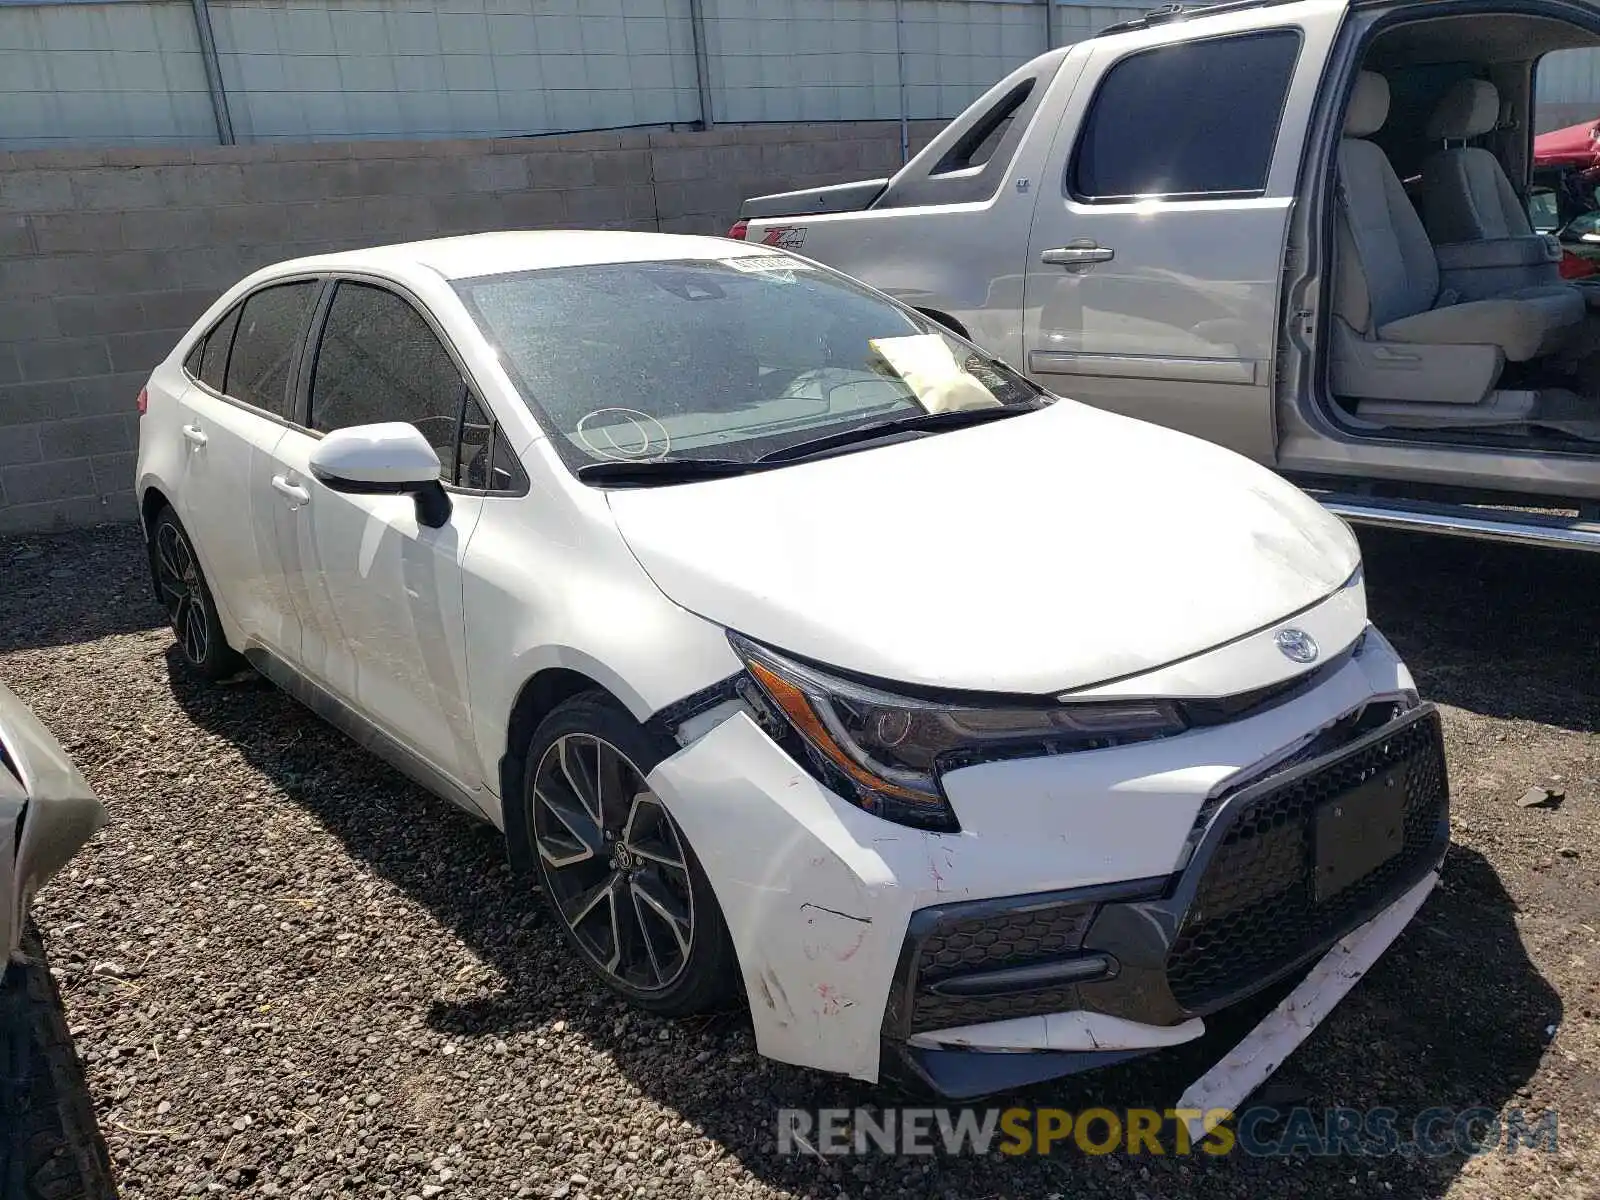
1155 260
232 417
379 596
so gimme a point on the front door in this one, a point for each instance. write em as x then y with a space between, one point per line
380 595
1155 260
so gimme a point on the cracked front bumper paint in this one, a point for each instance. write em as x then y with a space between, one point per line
819 896
46 813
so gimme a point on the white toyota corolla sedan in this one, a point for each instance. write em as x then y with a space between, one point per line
801 649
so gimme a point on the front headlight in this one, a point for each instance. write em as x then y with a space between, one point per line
891 750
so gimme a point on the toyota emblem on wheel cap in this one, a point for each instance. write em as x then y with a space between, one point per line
1297 645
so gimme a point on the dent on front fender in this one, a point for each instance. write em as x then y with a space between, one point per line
808 887
47 812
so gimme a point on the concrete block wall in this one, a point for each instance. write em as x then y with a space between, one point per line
107 256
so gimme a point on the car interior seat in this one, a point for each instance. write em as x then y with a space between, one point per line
1409 350
1466 196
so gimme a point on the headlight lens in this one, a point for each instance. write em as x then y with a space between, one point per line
893 749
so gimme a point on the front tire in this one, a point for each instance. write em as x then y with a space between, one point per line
182 590
620 878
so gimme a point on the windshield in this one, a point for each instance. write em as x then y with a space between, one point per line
729 359
1586 226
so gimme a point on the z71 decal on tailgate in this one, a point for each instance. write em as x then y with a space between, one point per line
785 237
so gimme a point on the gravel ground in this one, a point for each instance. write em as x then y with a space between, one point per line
290 972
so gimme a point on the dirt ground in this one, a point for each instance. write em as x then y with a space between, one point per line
290 972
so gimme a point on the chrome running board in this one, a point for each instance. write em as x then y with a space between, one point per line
1467 520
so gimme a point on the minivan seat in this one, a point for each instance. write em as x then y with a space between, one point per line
1387 285
1466 196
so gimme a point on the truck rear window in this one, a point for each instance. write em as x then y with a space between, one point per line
1196 119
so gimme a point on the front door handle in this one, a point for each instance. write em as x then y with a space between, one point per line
281 484
195 434
1077 256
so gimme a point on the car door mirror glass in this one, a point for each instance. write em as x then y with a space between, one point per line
390 458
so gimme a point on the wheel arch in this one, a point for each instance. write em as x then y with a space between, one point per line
538 697
151 501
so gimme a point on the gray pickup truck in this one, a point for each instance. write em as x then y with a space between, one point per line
1296 228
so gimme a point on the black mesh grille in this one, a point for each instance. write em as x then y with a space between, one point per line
933 1012
1009 939
1254 911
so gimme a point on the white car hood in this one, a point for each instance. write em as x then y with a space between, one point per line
1038 554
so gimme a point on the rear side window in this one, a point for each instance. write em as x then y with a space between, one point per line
380 361
214 361
271 324
1197 119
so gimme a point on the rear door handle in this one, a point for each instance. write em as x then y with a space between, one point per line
280 483
195 434
1076 256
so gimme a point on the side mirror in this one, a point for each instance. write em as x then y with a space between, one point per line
389 459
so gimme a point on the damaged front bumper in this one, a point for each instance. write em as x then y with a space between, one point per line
1094 907
46 813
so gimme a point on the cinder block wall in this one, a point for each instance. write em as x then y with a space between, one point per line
106 256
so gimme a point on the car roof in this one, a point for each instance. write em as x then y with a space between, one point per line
478 254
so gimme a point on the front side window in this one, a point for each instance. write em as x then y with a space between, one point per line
730 359
1196 119
271 325
380 361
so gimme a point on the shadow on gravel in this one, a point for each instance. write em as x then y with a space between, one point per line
68 588
1454 1016
1499 630
51 1147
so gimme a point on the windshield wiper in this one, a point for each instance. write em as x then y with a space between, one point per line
917 422
647 472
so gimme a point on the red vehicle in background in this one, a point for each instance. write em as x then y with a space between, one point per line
1566 173
1574 146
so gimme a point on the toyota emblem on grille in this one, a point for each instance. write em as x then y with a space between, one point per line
1297 645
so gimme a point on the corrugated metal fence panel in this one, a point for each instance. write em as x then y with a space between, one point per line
802 60
1570 77
333 69
1074 22
129 71
956 51
78 74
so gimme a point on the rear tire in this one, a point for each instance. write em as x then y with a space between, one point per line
50 1144
622 881
183 592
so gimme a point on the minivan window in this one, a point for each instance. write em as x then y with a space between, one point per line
271 325
1192 120
214 361
380 361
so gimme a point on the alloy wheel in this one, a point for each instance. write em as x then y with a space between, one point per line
178 577
613 862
